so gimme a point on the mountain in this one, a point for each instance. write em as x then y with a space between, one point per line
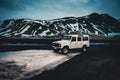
93 24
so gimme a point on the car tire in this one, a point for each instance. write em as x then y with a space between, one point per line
65 50
84 48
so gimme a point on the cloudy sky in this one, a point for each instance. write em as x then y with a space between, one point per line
51 9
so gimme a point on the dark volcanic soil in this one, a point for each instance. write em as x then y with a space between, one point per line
100 62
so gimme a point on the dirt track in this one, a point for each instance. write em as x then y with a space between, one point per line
34 62
101 62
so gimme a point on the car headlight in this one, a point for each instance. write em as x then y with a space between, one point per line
57 44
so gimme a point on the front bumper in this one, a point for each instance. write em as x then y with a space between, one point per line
54 47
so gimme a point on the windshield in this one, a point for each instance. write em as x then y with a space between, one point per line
66 38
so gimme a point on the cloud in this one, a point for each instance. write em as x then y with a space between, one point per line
49 9
109 6
53 9
18 4
8 4
53 13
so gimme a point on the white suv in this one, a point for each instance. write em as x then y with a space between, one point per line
71 42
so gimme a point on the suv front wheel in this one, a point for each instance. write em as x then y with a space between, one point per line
65 50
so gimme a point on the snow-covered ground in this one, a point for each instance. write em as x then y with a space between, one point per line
37 61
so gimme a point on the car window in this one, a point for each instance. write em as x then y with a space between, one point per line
85 38
73 38
79 38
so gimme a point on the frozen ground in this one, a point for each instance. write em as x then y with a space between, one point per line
36 61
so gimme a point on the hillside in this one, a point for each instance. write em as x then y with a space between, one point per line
94 24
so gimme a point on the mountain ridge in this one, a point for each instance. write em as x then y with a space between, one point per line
93 24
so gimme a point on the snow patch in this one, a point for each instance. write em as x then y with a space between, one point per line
27 27
44 33
39 60
94 26
25 35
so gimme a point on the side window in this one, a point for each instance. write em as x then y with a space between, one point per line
73 38
85 38
79 38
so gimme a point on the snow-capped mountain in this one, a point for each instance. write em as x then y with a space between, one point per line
93 24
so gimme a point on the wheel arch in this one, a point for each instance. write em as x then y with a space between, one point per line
84 46
66 46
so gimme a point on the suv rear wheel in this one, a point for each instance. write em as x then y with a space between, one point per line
65 50
84 48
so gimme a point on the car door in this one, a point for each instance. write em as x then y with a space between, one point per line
79 42
73 43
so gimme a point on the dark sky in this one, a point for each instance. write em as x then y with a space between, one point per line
50 9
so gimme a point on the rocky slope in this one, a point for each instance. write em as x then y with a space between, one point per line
93 24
